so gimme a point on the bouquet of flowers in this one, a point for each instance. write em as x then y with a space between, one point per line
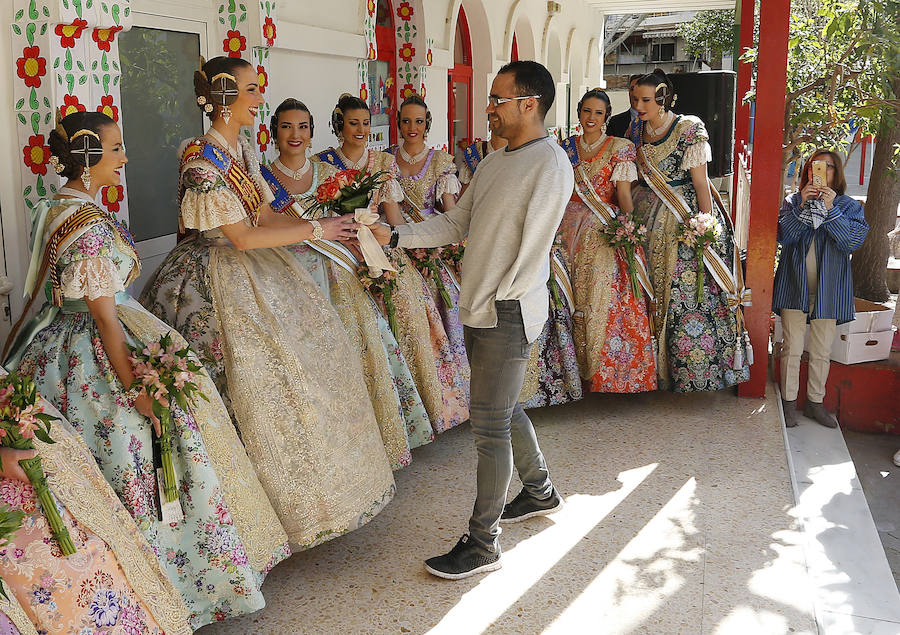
344 192
383 285
625 234
452 256
165 371
10 521
22 419
698 232
429 263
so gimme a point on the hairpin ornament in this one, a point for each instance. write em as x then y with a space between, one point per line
222 92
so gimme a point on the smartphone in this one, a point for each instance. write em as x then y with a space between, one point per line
819 173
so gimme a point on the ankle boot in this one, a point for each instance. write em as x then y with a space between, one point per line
791 416
817 412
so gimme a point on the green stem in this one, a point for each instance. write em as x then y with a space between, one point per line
391 312
700 275
170 486
35 473
554 290
435 268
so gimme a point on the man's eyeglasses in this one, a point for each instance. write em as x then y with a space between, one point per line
495 101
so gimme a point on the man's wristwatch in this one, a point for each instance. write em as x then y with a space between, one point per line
318 231
395 237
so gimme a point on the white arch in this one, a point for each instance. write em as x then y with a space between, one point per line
524 33
554 56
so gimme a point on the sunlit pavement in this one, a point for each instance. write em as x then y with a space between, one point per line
680 519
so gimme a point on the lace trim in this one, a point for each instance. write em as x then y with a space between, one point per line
16 614
449 184
91 277
208 210
624 171
391 191
465 174
696 154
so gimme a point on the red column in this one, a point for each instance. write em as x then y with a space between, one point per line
744 72
765 184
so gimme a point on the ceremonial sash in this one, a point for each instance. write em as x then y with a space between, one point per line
730 279
237 177
605 214
563 283
472 156
416 214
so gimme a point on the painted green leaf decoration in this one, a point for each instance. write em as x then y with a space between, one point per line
104 7
32 10
104 62
106 83
221 20
115 64
20 103
116 80
39 188
94 65
44 28
46 12
16 29
70 81
68 63
82 80
33 100
78 7
115 14
47 102
29 32
221 8
231 8
80 65
126 12
233 19
19 14
36 122
22 119
29 204
47 117
26 191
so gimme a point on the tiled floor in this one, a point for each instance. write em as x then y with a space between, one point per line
678 521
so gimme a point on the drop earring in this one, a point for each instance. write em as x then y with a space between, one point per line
86 177
662 111
603 128
226 113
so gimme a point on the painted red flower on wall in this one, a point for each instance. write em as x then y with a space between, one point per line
404 11
70 105
372 53
371 6
111 196
31 66
234 43
422 91
262 137
268 31
105 37
36 154
68 33
262 78
363 92
429 57
406 52
108 108
407 91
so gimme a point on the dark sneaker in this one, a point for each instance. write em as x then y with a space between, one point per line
525 506
462 561
817 412
791 414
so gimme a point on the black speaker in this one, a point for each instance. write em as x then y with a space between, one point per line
710 95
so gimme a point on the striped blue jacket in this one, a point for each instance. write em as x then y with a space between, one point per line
842 232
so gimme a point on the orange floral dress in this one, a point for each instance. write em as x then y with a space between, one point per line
613 341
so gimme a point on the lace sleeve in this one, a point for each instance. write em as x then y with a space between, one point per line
624 171
696 145
465 174
208 202
91 278
392 191
447 183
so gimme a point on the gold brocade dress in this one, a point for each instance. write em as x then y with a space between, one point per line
294 382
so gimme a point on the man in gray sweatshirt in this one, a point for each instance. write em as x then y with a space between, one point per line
510 213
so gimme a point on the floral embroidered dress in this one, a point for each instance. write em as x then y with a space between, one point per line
551 377
401 415
612 326
699 342
421 194
229 537
112 584
294 381
421 335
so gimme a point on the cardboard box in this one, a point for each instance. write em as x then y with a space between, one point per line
855 348
870 318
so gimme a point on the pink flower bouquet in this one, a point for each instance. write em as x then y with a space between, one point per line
625 234
428 261
166 372
22 418
698 232
383 285
344 192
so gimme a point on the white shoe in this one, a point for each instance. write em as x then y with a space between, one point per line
897 458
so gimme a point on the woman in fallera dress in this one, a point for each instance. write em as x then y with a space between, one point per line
421 333
294 179
702 344
612 326
428 178
76 351
113 583
296 388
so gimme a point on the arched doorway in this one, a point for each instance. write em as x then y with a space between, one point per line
382 78
459 87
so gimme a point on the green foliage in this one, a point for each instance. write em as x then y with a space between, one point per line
711 31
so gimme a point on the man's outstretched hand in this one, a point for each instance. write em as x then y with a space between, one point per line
382 232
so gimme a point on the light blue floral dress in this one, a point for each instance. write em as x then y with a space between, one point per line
203 554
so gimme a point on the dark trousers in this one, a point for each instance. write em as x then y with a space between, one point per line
503 432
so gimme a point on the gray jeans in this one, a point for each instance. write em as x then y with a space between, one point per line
503 432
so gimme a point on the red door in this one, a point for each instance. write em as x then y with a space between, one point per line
383 73
459 88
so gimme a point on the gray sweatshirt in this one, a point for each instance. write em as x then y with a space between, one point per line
510 213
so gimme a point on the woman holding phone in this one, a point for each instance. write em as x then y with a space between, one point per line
818 228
